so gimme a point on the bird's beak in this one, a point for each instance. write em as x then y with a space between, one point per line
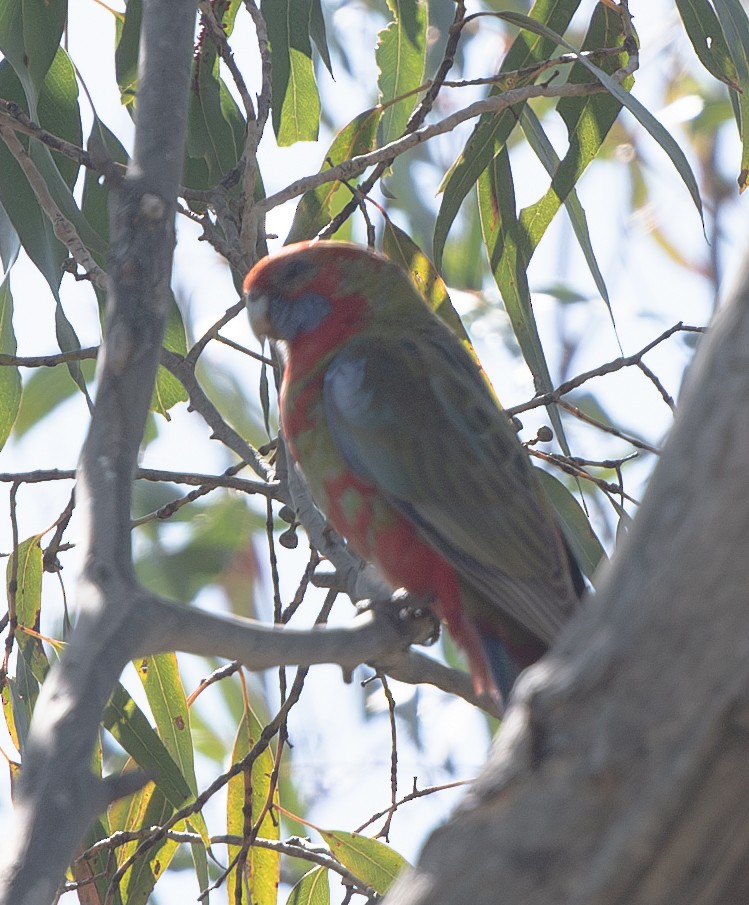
258 312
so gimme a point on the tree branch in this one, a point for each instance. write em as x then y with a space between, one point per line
57 795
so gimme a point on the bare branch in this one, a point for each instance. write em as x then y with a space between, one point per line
353 167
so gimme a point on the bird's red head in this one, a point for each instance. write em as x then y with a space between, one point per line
305 287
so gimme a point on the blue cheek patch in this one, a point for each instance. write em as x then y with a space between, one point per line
300 315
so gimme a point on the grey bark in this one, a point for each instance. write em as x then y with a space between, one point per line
57 795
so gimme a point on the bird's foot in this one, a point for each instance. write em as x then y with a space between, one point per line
408 608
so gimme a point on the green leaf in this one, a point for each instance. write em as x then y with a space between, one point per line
59 111
129 725
95 200
375 863
20 204
10 376
295 100
147 807
68 341
166 698
247 797
641 113
29 600
492 130
96 867
127 52
588 121
30 32
735 27
401 248
704 31
168 390
317 207
507 245
401 56
10 242
17 196
547 155
19 698
210 135
579 534
318 33
312 889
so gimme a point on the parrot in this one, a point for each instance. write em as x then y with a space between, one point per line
408 454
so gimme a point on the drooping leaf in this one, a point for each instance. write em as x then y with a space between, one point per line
168 390
318 206
247 798
10 376
401 248
295 99
318 33
400 56
30 33
28 603
129 725
586 547
312 889
94 203
147 807
18 198
508 249
547 155
127 52
704 31
373 861
59 111
588 121
10 242
640 112
492 131
735 26
68 341
210 136
168 702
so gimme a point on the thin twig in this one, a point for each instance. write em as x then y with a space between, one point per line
609 367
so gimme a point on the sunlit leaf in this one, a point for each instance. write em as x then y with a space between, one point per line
373 861
492 131
640 112
317 207
129 725
296 102
247 798
400 56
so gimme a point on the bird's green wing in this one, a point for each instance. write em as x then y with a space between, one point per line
413 415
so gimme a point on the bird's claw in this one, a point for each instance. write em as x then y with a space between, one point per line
405 608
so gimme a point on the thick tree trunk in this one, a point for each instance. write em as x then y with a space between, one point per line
620 774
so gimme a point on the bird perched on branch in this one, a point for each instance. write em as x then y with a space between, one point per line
408 454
